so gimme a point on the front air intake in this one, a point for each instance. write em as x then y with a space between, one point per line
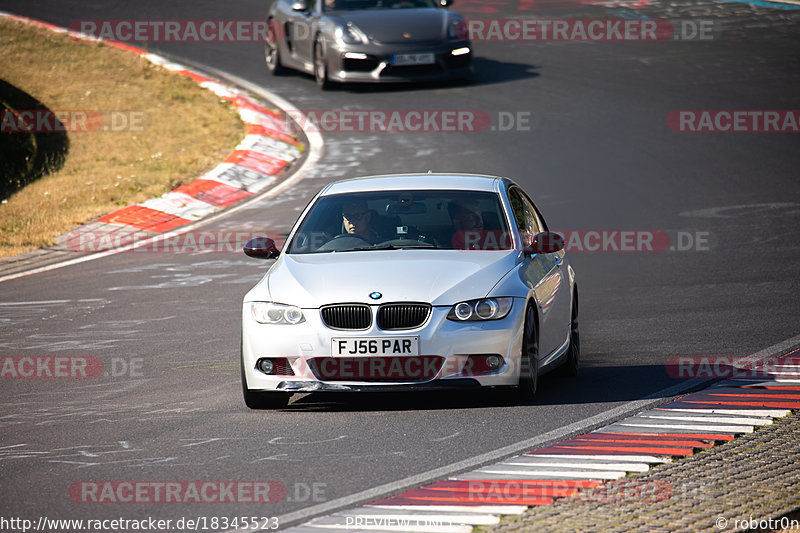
347 316
403 316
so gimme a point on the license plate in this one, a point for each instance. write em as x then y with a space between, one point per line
357 346
413 59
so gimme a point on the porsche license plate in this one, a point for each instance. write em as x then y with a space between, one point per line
355 346
413 59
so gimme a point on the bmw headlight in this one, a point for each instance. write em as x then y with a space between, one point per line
483 309
272 313
350 34
457 30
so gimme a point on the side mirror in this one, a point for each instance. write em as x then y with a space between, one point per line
300 5
546 242
261 248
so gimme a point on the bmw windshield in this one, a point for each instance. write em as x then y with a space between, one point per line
390 220
361 5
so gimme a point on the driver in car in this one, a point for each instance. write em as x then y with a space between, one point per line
357 219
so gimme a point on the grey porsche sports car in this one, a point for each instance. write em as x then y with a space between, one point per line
368 40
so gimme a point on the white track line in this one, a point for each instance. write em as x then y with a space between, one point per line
711 419
606 459
462 518
480 509
389 524
698 427
650 459
772 413
555 473
628 467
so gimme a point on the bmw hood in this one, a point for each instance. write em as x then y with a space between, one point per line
438 277
408 26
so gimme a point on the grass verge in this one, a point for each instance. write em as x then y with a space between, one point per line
166 130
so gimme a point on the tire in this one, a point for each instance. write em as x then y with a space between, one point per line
261 399
272 50
529 359
272 57
574 351
321 66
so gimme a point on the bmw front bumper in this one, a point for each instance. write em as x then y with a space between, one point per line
444 362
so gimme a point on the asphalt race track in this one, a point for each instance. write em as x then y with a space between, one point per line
594 150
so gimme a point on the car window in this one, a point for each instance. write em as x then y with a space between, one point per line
525 216
464 220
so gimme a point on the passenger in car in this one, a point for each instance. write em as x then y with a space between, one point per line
467 223
466 216
475 229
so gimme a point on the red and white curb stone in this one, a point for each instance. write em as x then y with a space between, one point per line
268 149
589 461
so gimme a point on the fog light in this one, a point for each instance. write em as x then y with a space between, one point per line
494 362
460 51
265 365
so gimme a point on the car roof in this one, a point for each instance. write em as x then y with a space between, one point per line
427 181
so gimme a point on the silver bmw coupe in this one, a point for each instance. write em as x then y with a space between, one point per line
368 40
410 282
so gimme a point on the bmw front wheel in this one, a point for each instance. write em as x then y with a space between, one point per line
529 359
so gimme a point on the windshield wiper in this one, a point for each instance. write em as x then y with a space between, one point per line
425 245
400 246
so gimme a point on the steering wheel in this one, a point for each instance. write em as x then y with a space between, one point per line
336 243
352 235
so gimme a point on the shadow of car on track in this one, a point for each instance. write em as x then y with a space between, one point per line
487 72
491 71
606 384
